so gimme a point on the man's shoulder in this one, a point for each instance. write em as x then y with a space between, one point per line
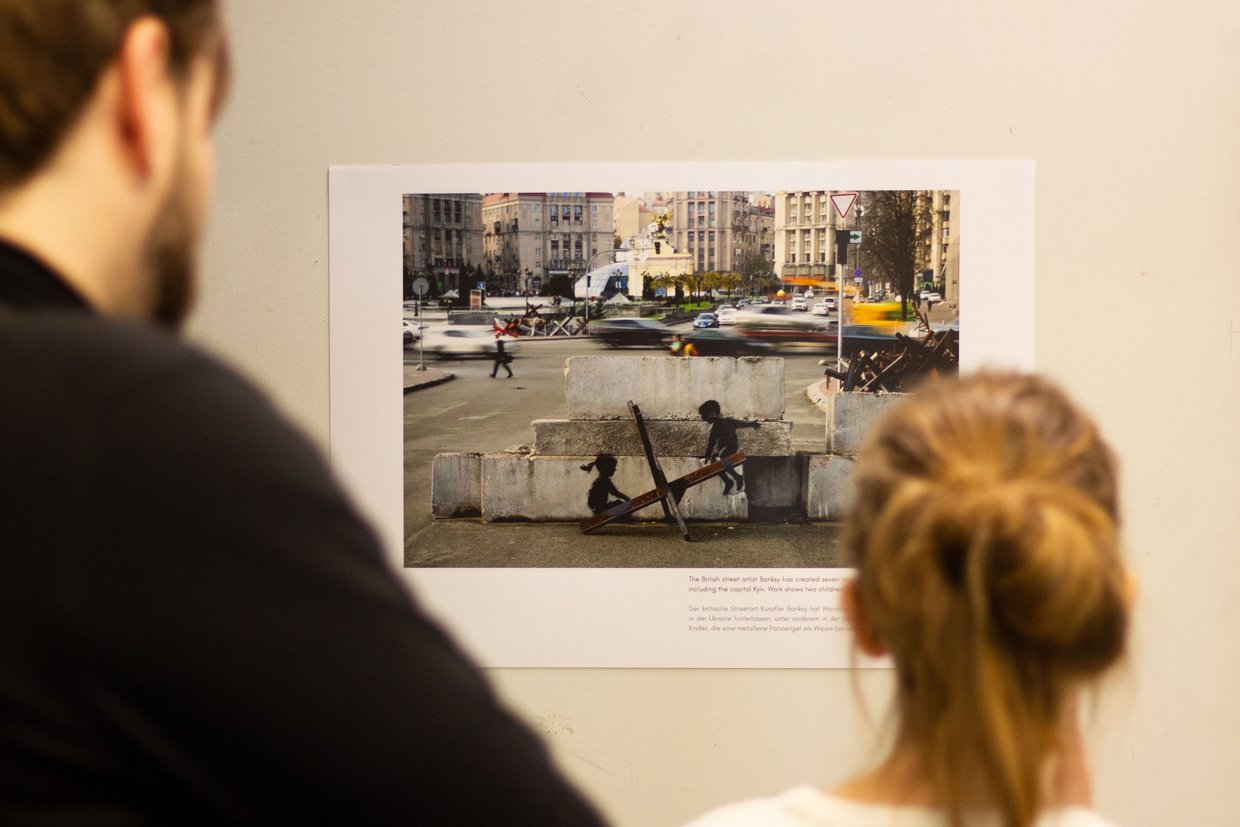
97 364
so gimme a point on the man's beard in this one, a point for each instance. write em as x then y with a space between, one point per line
172 255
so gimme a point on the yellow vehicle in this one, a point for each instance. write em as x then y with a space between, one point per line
820 285
885 315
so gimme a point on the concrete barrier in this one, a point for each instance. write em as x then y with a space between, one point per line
519 487
828 494
456 485
670 438
666 387
850 417
774 483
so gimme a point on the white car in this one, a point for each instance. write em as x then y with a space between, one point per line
798 302
832 304
412 334
726 315
455 340
819 308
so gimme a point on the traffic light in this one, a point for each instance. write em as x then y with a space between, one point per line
841 245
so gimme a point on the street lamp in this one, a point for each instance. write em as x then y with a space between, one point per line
589 267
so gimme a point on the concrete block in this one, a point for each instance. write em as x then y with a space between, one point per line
850 417
828 492
666 387
518 487
670 438
774 482
456 485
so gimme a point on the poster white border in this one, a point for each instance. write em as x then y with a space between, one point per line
618 617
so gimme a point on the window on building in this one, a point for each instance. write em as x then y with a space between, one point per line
577 214
456 211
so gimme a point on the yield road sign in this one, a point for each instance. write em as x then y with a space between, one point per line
843 201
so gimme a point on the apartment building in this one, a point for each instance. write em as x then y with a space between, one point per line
531 236
805 225
442 235
714 228
943 246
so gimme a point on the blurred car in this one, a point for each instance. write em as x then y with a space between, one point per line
723 343
412 334
769 315
464 341
741 303
798 302
705 320
631 332
726 314
832 304
819 308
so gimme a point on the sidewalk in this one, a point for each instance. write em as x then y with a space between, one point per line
417 379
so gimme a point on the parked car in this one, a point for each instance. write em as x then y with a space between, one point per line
631 332
705 320
723 343
464 341
726 314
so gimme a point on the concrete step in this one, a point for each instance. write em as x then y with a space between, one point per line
670 438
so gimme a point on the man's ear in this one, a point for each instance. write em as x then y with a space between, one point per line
862 631
144 86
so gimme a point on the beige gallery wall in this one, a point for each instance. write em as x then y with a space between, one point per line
1131 112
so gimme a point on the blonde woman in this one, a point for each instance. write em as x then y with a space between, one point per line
985 532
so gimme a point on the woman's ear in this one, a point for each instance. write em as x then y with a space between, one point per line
862 631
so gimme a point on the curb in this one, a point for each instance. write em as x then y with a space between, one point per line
430 383
817 395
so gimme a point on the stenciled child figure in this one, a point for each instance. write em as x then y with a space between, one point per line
723 442
602 489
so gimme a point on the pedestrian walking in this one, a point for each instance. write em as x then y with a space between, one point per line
677 344
689 350
502 359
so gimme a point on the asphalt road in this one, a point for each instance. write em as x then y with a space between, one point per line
477 413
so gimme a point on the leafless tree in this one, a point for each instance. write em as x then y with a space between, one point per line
898 224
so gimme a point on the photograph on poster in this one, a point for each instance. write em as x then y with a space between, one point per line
518 492
670 366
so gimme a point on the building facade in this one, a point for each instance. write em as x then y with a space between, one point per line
714 228
442 236
804 228
529 237
942 255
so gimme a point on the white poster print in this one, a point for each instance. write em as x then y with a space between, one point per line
744 593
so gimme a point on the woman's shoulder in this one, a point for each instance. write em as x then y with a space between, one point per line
806 806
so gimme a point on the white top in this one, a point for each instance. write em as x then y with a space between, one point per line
808 807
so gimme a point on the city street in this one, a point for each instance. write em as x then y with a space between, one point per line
476 413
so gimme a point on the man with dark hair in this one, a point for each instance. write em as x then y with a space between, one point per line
195 625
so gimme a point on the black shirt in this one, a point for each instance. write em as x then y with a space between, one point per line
195 625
